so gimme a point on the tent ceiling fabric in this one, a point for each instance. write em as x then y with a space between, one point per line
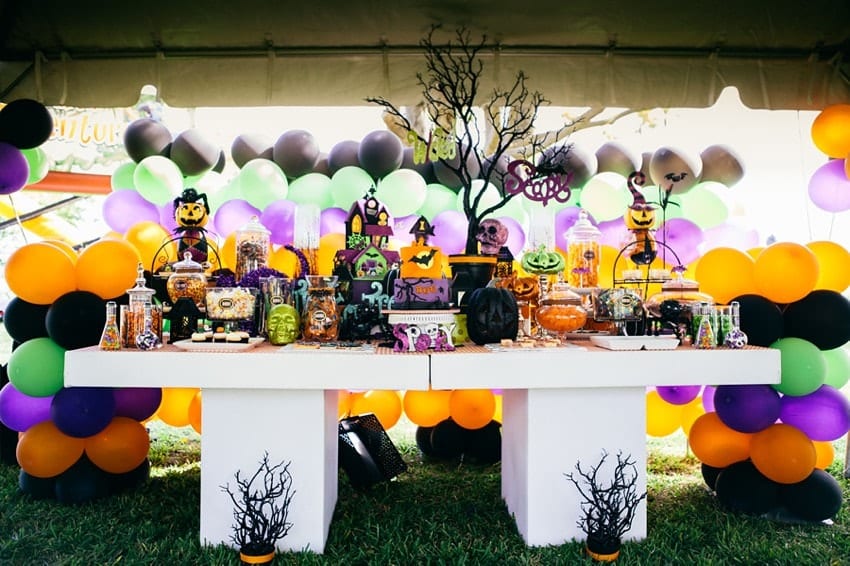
659 53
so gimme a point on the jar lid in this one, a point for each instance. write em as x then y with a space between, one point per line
254 226
140 291
560 294
679 283
188 265
583 229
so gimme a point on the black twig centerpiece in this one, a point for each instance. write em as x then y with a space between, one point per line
261 507
608 509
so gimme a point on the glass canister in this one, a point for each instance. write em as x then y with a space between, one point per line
583 253
188 281
684 291
252 247
320 319
560 310
132 315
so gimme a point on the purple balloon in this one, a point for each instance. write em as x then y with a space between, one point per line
516 235
14 169
138 403
232 215
166 217
450 231
332 221
125 207
564 220
279 218
683 237
82 411
822 415
708 398
678 394
614 233
728 235
747 408
829 187
402 226
19 411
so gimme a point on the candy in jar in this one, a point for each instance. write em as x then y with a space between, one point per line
320 320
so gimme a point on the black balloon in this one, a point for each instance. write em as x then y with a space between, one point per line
761 319
380 153
425 169
322 166
448 439
709 475
246 147
25 321
822 317
76 319
221 162
485 444
81 482
130 480
25 123
423 440
193 153
741 487
445 175
343 154
37 488
145 137
296 152
816 498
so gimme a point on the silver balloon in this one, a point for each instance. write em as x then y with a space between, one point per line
721 164
673 170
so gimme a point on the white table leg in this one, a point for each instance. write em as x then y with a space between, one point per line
239 425
545 432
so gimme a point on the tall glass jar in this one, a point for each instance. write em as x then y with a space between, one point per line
320 319
252 248
583 253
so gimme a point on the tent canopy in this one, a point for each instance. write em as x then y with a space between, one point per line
781 54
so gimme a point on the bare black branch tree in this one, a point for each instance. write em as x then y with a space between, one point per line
451 90
261 507
608 509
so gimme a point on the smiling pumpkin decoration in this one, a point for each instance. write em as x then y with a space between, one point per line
640 220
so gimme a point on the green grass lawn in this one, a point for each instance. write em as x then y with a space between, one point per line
437 512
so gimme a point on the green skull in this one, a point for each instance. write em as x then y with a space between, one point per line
283 324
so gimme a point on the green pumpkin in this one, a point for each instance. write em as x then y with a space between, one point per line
542 260
491 315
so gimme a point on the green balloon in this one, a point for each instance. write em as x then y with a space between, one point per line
438 198
837 367
653 195
122 177
158 179
230 191
39 164
312 188
803 366
262 182
37 367
349 184
705 205
402 192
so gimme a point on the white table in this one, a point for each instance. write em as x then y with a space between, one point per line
257 401
563 405
560 406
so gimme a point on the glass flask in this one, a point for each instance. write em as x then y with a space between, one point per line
320 321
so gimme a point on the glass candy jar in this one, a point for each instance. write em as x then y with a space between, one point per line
252 248
583 253
320 319
187 281
683 291
559 310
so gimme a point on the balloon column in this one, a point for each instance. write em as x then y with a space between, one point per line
829 186
764 448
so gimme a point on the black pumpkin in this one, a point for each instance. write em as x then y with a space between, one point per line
491 315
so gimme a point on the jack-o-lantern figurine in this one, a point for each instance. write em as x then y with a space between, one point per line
191 211
640 220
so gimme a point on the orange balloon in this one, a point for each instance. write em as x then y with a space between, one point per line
824 454
152 242
228 252
44 451
119 448
174 407
427 408
65 247
343 403
834 264
783 453
662 418
785 272
607 255
716 444
472 408
725 273
829 130
497 414
329 244
107 268
40 273
754 252
385 404
195 412
690 413
284 261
